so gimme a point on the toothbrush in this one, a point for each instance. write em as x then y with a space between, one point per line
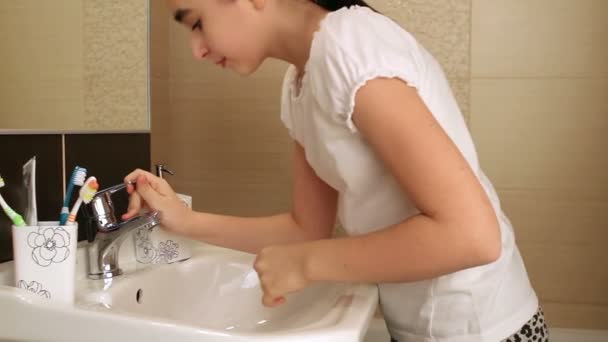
78 176
16 218
87 192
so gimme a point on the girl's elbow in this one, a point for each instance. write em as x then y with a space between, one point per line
481 244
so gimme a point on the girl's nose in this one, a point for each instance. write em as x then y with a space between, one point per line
199 49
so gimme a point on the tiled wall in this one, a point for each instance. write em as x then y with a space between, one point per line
41 68
159 78
443 27
74 65
109 157
539 115
115 61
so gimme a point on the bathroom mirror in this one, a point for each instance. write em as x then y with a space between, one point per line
74 66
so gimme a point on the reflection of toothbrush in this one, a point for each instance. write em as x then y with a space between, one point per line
78 176
87 192
16 218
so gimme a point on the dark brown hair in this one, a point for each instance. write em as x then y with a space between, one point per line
334 5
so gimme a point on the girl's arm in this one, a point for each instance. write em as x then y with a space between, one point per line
457 227
312 216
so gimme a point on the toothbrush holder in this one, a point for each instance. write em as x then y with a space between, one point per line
45 260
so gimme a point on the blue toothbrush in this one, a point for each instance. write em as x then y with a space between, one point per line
78 177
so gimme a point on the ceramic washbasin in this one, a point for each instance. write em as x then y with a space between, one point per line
214 296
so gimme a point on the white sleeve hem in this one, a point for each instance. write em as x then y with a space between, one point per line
387 73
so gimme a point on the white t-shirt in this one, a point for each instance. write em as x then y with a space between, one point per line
354 45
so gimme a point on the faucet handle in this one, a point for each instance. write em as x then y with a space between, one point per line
103 208
160 168
111 189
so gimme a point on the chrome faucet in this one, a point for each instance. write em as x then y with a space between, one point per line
103 251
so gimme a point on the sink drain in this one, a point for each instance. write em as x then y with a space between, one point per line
139 296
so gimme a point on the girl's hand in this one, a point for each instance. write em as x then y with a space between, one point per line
156 194
282 270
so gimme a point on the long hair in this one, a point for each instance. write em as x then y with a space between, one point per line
334 5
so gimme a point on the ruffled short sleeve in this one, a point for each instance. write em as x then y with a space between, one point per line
353 48
286 114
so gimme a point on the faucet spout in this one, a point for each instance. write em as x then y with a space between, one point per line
104 250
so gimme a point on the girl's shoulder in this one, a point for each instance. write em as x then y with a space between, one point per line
356 27
354 45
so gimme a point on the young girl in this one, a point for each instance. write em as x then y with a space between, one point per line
381 143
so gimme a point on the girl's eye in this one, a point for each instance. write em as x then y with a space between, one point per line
198 25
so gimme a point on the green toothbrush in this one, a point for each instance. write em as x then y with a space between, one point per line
16 218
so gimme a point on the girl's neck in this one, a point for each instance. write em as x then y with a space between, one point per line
295 26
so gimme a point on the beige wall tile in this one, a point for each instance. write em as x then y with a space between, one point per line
230 166
443 27
568 273
226 133
40 104
116 105
41 47
208 82
576 316
41 64
101 38
116 64
160 115
74 65
160 105
239 196
221 129
539 38
160 99
557 217
541 134
159 39
231 151
243 112
539 114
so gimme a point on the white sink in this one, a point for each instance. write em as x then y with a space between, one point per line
214 296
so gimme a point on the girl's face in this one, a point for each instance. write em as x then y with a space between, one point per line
228 33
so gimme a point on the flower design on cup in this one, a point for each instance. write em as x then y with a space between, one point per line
144 249
141 236
35 288
50 245
167 251
147 252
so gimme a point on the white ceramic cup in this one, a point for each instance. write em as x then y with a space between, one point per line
45 260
